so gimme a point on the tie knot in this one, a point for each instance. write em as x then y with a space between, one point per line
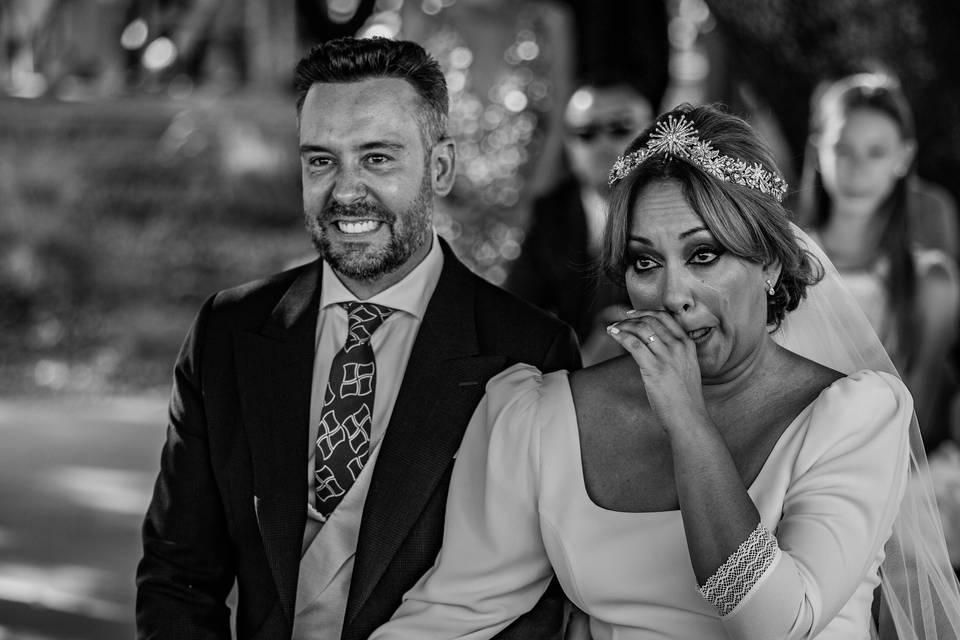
364 318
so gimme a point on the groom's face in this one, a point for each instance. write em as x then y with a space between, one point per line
367 189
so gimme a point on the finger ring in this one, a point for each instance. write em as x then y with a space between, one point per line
650 339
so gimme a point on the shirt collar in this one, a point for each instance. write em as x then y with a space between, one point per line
411 294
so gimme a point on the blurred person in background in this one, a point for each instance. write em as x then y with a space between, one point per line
316 414
930 208
934 220
854 198
322 20
510 67
627 36
558 268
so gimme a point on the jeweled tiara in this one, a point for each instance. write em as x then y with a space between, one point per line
677 137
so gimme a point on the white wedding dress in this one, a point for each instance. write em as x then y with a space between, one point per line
518 510
845 491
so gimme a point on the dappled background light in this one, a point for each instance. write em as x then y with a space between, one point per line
148 158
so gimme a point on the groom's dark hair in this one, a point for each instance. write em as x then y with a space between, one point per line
356 59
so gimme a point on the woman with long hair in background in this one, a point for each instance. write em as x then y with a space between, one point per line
854 201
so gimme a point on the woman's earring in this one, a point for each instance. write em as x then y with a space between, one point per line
770 289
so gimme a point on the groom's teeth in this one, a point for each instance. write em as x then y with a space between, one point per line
699 333
360 226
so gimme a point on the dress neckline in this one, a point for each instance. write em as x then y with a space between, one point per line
581 477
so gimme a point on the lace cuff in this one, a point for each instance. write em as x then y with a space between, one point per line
741 571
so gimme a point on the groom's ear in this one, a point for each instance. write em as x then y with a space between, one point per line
443 166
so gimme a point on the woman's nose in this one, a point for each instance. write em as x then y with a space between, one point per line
677 294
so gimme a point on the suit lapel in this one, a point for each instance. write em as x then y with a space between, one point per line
275 371
442 384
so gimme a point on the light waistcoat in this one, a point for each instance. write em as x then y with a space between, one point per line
326 564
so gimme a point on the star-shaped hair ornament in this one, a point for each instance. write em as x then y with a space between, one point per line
677 137
674 136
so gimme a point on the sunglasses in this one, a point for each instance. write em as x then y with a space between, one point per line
612 129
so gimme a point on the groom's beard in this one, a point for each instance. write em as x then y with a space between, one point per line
407 230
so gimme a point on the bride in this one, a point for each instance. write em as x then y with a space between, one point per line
751 469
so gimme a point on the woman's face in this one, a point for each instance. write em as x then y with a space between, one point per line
862 154
675 264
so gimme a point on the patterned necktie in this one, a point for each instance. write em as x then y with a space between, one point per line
343 439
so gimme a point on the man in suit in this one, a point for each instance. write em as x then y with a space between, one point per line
558 268
253 487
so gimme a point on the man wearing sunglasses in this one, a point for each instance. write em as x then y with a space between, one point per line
557 269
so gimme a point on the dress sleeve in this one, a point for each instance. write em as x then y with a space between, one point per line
492 566
846 487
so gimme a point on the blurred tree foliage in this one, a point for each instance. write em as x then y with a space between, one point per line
119 218
783 48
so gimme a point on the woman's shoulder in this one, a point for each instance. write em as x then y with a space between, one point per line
520 403
622 368
522 387
610 378
609 393
860 421
800 375
864 385
863 402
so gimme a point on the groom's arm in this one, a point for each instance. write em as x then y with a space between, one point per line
187 568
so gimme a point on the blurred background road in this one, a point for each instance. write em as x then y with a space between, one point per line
75 479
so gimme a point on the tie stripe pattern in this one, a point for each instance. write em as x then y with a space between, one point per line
343 437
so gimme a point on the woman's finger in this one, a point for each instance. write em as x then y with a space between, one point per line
666 321
651 331
644 342
632 337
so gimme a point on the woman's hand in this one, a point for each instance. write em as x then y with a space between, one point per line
718 513
600 345
667 358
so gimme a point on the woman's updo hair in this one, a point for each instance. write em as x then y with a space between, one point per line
749 224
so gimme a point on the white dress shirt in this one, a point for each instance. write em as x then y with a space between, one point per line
329 548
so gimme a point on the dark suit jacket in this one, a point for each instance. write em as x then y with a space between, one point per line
229 502
556 270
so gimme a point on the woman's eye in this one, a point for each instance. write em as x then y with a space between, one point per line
704 255
643 263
